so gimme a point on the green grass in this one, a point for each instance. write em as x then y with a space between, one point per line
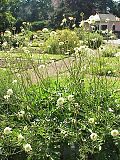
34 56
109 66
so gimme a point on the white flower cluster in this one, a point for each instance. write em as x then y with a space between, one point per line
91 120
27 147
114 133
81 24
60 101
21 114
61 43
7 33
25 50
4 44
20 137
70 98
53 33
7 130
9 93
14 81
45 30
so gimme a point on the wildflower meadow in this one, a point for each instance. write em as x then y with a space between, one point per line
59 93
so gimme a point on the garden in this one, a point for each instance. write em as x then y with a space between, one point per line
59 85
60 95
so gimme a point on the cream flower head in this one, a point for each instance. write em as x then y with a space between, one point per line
9 92
91 120
70 98
20 137
114 132
60 101
27 147
93 136
7 130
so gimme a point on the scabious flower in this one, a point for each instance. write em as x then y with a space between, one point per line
4 44
24 23
81 24
7 33
64 20
117 54
61 43
60 101
53 33
91 120
14 28
22 30
9 92
45 30
21 114
70 98
93 136
70 18
27 147
7 130
114 132
20 137
6 97
110 110
25 128
42 66
14 81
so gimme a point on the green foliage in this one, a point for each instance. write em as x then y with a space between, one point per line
71 116
64 41
109 51
105 66
38 25
54 130
94 40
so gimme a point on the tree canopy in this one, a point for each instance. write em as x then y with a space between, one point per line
12 11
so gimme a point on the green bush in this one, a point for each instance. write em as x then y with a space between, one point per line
94 40
109 51
39 25
64 41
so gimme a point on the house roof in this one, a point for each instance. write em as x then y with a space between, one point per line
104 17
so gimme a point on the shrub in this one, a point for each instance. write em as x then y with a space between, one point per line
109 51
64 41
94 40
39 25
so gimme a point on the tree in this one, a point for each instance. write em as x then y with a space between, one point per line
6 18
33 10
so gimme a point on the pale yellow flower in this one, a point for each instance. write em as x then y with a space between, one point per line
91 120
70 98
60 101
20 137
27 147
7 130
114 132
93 136
9 92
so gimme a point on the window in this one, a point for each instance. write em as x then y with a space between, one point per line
113 28
103 27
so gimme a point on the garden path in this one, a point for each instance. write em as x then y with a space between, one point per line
50 70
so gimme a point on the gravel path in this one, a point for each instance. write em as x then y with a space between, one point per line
114 42
52 69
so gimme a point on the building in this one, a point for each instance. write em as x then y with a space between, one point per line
104 21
